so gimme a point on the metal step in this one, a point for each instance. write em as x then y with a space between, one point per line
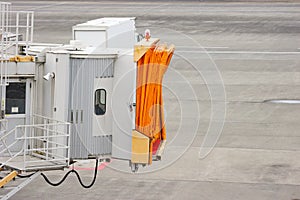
32 163
13 187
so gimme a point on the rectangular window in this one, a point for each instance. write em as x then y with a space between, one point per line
100 102
15 98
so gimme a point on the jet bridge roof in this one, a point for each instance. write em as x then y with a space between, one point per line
75 52
102 23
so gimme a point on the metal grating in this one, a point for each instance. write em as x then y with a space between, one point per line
83 143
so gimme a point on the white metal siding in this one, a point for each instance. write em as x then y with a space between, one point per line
122 97
91 38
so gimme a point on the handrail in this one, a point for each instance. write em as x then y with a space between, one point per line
51 140
12 157
43 117
8 133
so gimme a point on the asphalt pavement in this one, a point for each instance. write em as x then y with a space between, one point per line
226 141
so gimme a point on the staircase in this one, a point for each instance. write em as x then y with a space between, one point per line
44 143
41 146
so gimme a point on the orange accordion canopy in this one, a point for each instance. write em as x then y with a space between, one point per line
151 68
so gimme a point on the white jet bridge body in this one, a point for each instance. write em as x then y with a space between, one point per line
90 86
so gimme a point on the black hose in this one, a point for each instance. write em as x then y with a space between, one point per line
56 184
25 176
78 177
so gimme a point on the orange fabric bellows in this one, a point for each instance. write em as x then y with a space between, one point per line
149 101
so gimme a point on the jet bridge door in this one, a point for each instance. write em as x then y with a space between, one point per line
18 106
102 115
102 106
90 110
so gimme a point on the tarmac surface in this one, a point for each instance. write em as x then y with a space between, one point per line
231 58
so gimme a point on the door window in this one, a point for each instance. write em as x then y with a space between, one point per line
100 102
15 98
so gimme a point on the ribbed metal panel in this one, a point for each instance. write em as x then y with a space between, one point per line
82 75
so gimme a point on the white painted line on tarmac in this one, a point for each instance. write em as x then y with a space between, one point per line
216 47
241 52
250 10
284 101
200 47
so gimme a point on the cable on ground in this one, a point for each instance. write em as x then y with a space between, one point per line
78 177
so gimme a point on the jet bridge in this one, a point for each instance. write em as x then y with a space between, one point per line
110 99
100 96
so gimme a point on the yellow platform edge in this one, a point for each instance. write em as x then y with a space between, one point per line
8 178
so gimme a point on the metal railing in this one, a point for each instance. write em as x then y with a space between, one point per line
3 126
3 129
5 8
16 28
16 34
41 145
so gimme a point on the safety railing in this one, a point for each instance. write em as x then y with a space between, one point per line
43 144
16 34
3 129
3 126
16 28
